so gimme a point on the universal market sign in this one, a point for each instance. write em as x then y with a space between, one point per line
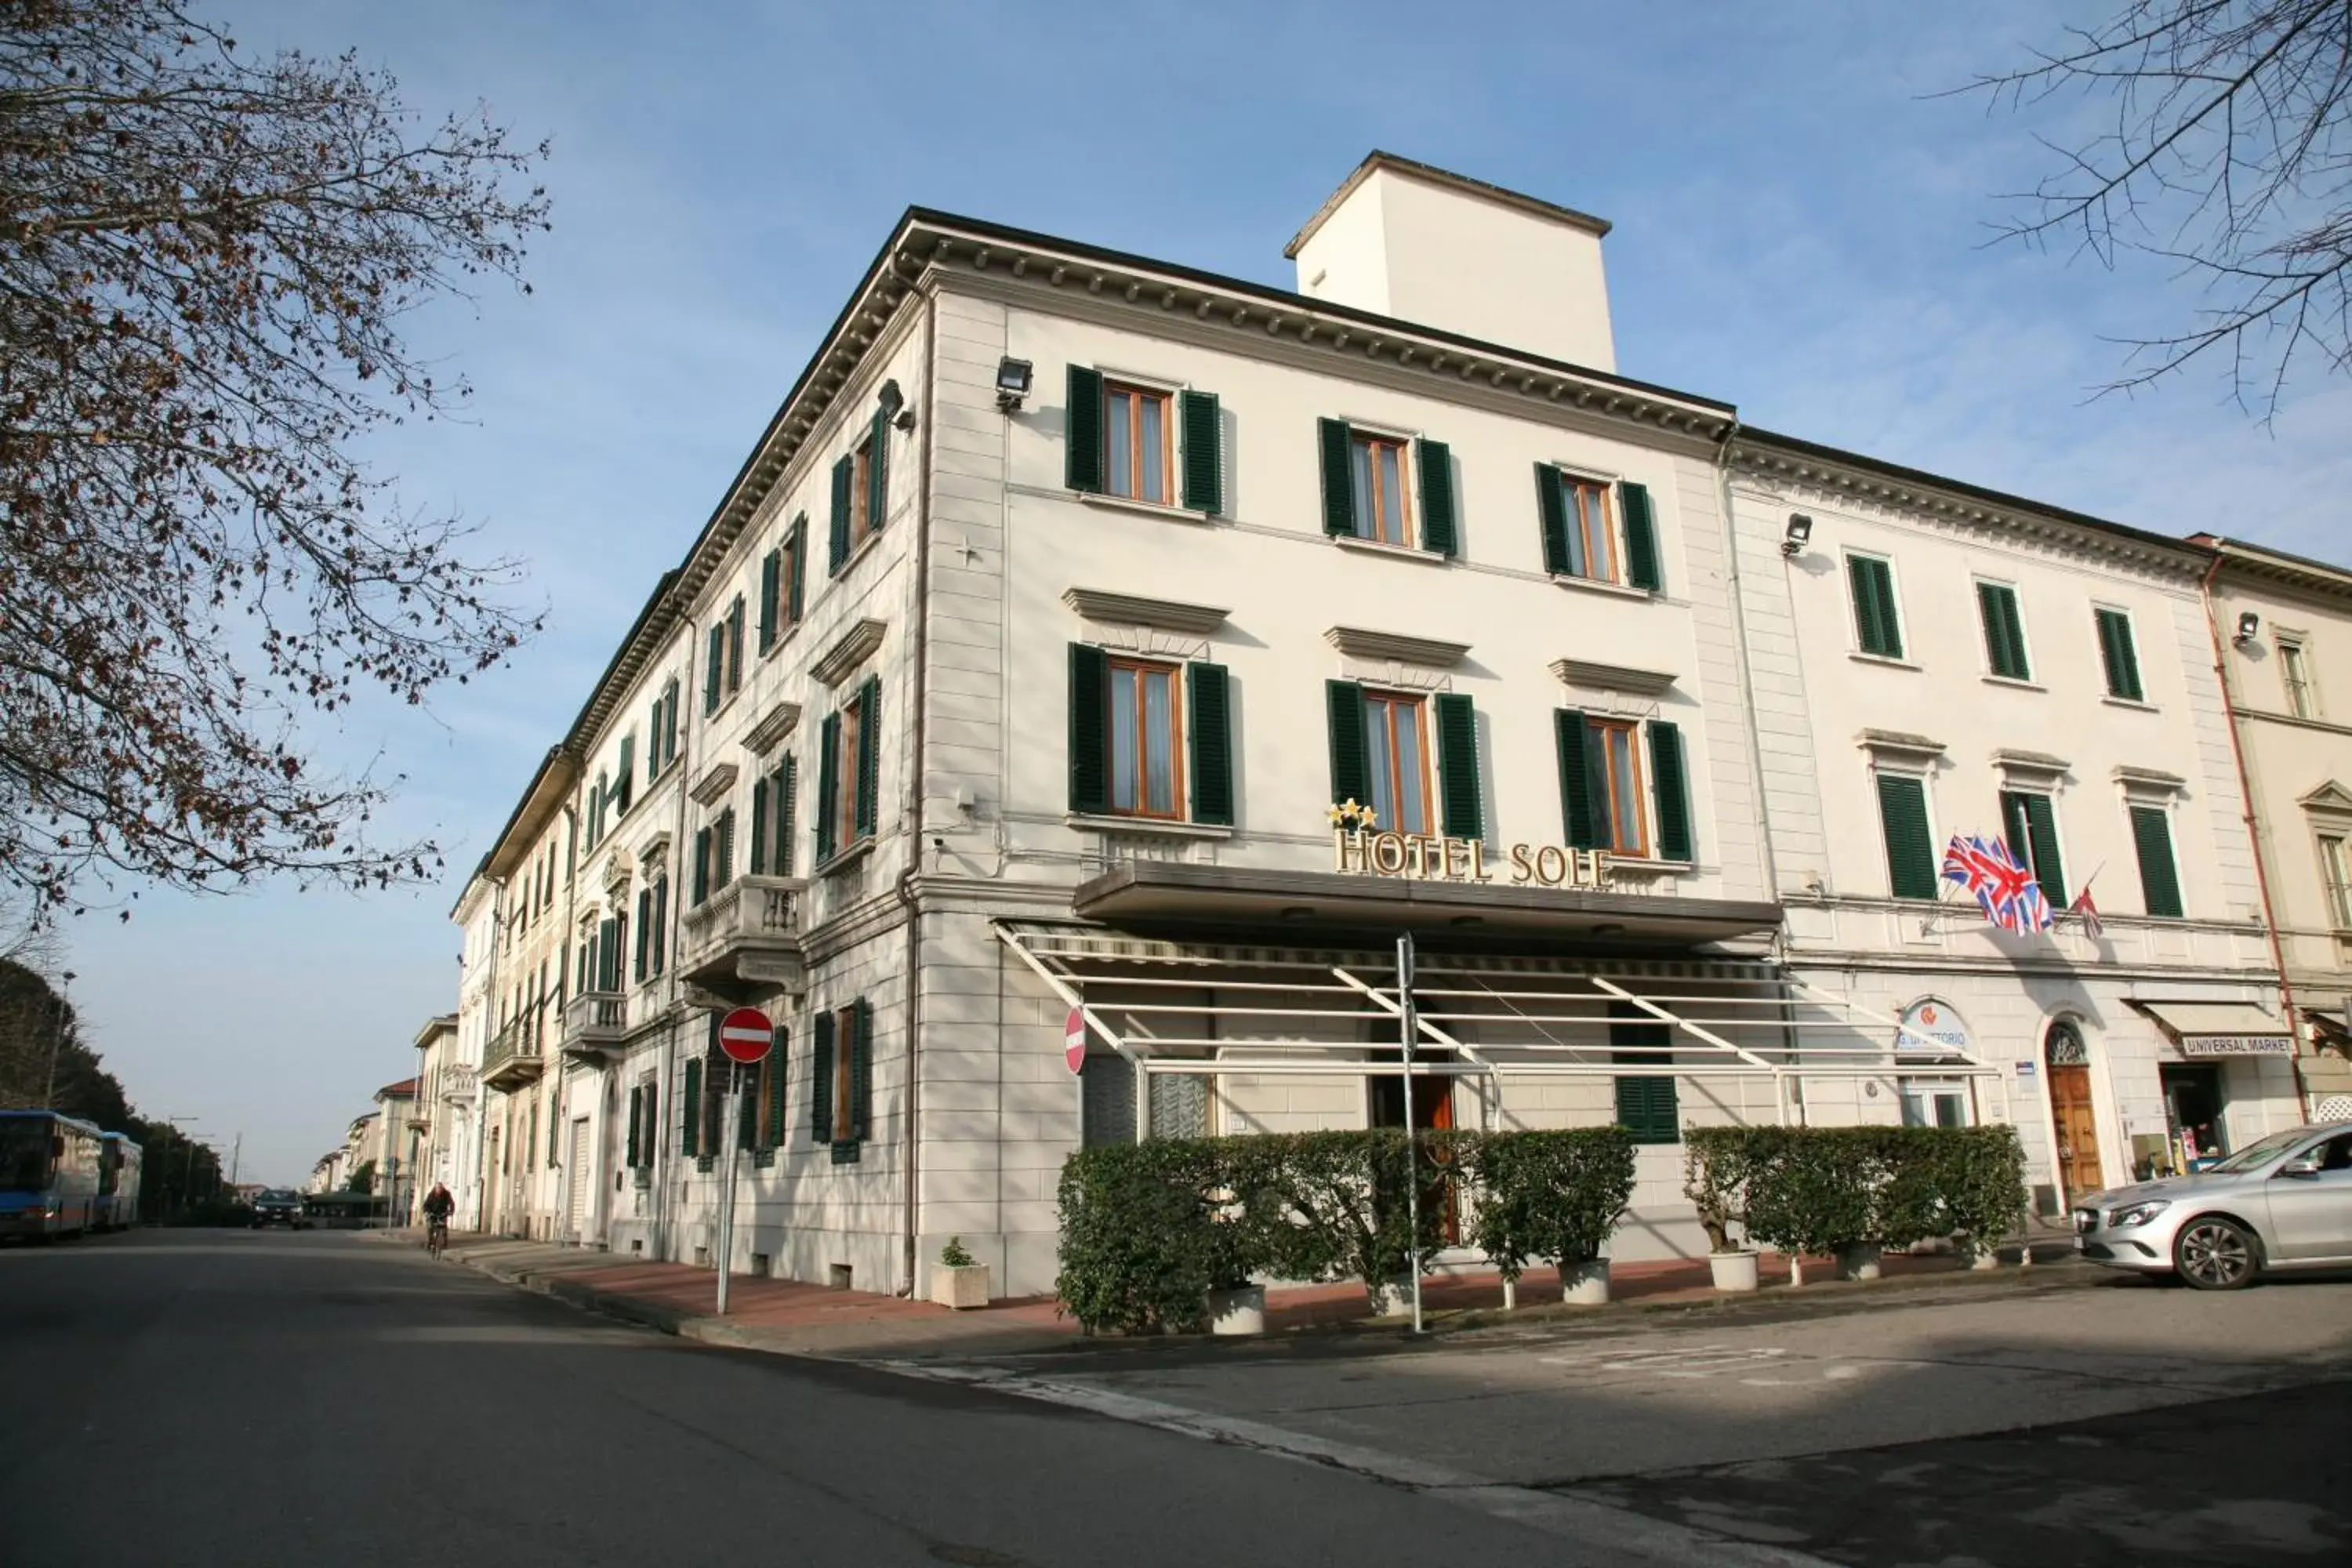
2236 1046
1358 848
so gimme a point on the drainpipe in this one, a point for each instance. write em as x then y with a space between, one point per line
665 1112
911 1156
482 1173
2254 837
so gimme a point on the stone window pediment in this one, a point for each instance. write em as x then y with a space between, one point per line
1135 610
1900 747
853 649
1592 675
1396 647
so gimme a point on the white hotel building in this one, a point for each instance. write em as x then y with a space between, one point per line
1023 663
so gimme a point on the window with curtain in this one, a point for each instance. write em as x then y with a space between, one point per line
1136 442
1377 468
1400 762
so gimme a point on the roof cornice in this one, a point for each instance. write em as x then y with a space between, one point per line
1766 453
2239 557
1430 174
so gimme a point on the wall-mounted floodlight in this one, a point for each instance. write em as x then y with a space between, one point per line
1801 529
2250 626
892 403
1012 382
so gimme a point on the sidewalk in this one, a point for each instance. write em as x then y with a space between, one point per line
791 1317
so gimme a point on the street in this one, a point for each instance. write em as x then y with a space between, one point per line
223 1397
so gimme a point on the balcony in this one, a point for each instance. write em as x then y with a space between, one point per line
745 938
594 1021
512 1058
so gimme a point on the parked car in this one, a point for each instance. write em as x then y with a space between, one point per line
279 1206
2284 1203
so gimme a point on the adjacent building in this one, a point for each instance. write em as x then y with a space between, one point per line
1098 664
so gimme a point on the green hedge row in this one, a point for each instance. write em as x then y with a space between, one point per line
1814 1189
1148 1229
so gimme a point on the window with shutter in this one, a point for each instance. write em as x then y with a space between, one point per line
1081 444
868 816
873 457
735 645
2159 880
1648 1103
2030 823
760 826
1339 477
645 935
777 1069
1396 761
844 480
1583 793
1670 786
2004 631
1640 536
771 597
661 924
785 793
828 787
1621 808
1877 627
714 668
637 1126
1351 773
1138 443
1434 466
690 1126
1910 847
1089 728
2119 656
1146 737
1211 730
853 1094
624 775
722 839
796 569
1579 531
821 1076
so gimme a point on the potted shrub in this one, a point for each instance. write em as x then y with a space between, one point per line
1812 1191
1556 1196
1235 1305
1717 1163
957 1280
1981 1178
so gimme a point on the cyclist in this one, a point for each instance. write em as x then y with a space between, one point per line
438 1205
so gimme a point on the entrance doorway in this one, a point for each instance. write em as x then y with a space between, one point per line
2071 1117
1433 1111
2192 1113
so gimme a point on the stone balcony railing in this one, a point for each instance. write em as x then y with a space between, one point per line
745 938
512 1058
594 1021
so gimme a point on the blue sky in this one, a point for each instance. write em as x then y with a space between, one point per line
1802 228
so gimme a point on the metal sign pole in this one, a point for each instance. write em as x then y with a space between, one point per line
729 1137
1407 1023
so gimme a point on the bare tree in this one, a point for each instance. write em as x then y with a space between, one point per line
205 261
2231 155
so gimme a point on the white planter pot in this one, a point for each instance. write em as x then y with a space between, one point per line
1733 1270
1860 1262
1396 1299
1239 1311
1984 1256
1585 1284
960 1288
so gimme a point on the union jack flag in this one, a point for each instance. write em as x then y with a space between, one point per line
2004 885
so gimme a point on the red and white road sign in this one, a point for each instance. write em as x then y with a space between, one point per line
1074 1041
745 1034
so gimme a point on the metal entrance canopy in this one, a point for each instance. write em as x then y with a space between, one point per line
1267 1011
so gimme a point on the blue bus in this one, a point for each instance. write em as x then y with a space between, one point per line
49 1174
121 1160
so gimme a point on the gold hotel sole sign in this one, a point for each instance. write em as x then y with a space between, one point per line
1430 857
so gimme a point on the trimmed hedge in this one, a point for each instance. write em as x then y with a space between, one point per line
1817 1189
1148 1229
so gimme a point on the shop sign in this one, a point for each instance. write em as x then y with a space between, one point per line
1358 848
2236 1046
1939 1023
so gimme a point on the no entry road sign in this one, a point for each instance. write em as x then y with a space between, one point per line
745 1034
1074 1041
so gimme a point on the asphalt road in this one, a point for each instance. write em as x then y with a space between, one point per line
274 1400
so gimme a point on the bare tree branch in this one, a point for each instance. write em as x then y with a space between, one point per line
205 262
2230 156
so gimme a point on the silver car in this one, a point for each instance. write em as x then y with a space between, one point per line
2280 1203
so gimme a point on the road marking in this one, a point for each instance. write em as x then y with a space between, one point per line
1610 1534
1698 1361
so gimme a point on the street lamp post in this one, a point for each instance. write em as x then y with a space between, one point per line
188 1174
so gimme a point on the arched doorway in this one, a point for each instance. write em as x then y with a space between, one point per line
2071 1117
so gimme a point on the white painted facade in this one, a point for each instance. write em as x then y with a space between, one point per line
959 616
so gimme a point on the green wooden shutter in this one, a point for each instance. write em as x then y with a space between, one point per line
1338 478
798 552
869 756
714 668
689 1138
660 959
779 1073
1649 1108
1082 446
637 1126
1583 807
1672 786
1551 504
735 644
760 826
877 476
861 1072
828 787
821 1080
1875 624
838 547
722 839
1351 764
669 725
624 774
2042 840
772 586
701 865
1205 459
788 789
1438 532
645 933
2004 636
1209 732
1089 728
747 1110
1910 853
2120 656
1640 536
1458 766
2159 881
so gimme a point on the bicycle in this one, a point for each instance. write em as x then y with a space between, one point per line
437 1235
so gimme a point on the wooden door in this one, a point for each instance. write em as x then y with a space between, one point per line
2078 1130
